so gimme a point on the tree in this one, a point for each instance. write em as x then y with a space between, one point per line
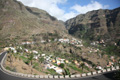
66 71
41 59
82 65
31 59
61 65
118 43
11 54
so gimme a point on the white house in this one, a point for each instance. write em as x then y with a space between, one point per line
42 54
6 48
27 42
58 70
93 43
64 40
51 66
26 50
61 40
42 41
36 52
20 48
62 60
35 57
99 67
14 51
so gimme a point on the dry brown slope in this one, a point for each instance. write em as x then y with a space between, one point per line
19 20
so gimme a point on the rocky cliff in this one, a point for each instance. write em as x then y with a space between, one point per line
17 20
96 25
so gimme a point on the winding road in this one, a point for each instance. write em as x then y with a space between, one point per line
6 76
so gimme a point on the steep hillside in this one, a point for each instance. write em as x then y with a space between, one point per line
96 25
17 20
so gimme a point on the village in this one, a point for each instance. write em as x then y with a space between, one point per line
60 65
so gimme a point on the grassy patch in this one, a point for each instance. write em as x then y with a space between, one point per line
36 66
87 68
8 68
52 71
54 64
25 60
75 68
11 69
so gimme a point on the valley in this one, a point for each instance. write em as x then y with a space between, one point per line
40 44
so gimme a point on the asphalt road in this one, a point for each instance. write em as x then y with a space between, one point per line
6 76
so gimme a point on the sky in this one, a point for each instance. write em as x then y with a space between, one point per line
66 9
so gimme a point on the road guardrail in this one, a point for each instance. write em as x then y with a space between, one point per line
57 76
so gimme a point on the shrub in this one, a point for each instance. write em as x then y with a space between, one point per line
66 71
8 68
75 68
52 71
61 65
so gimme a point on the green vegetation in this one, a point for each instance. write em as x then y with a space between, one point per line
86 68
82 65
25 59
112 50
8 68
41 59
11 69
52 71
30 58
66 71
36 65
86 43
75 68
54 64
61 65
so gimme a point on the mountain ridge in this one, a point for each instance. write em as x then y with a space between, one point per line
20 20
98 23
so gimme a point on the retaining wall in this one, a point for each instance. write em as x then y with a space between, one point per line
56 76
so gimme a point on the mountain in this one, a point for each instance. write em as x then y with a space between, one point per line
17 20
96 25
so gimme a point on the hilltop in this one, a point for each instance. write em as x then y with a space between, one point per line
96 25
21 22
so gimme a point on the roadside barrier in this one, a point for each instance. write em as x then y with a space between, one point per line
88 74
56 76
84 74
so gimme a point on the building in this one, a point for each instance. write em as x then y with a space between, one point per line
27 42
58 62
36 52
42 41
51 66
63 40
58 70
99 67
6 48
42 54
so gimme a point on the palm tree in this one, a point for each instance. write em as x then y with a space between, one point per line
11 54
18 53
82 65
41 59
31 59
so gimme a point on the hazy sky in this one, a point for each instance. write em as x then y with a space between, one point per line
66 9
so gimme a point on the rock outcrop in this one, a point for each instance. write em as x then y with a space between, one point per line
96 25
